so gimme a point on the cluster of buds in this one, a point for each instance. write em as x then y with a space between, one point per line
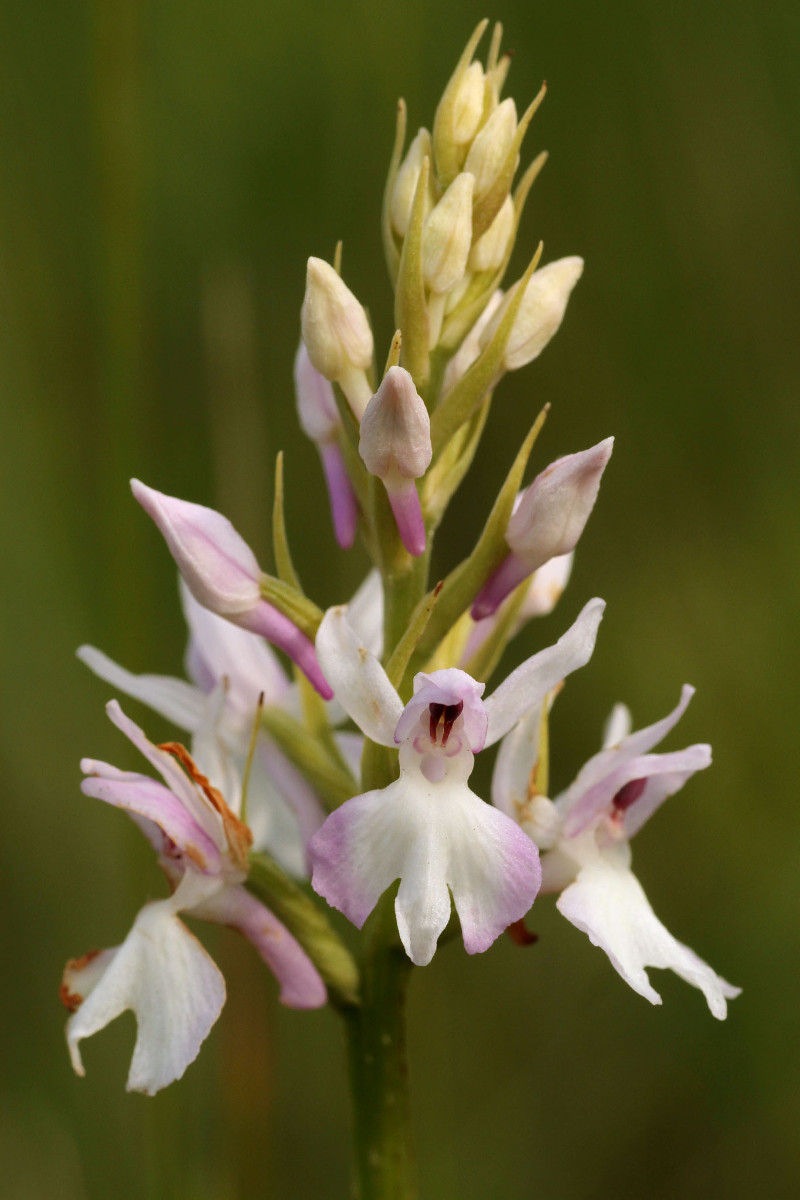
361 781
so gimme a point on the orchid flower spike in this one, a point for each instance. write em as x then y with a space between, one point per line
319 417
427 828
161 971
395 445
229 669
585 836
221 572
548 519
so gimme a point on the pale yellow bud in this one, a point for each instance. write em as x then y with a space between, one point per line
490 249
447 235
335 326
491 147
467 109
405 184
540 313
395 436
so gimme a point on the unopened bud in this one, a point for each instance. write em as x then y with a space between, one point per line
467 105
222 573
540 313
405 184
491 147
447 235
553 511
336 332
547 521
395 445
489 251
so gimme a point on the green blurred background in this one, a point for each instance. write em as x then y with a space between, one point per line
166 169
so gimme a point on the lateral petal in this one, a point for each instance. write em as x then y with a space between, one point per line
529 684
178 701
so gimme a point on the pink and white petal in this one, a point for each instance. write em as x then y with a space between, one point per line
360 850
221 650
664 774
516 759
283 808
300 983
178 701
607 902
156 803
201 810
493 873
163 974
211 752
359 682
530 683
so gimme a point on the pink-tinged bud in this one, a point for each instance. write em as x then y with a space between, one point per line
541 312
405 185
491 147
222 573
547 521
395 445
488 252
447 236
337 333
320 420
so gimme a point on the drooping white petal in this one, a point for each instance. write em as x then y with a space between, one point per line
607 902
174 699
434 838
530 683
172 985
300 982
359 682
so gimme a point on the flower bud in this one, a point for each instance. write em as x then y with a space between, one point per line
320 420
447 235
467 105
491 147
405 184
540 314
488 252
395 445
337 333
222 573
547 521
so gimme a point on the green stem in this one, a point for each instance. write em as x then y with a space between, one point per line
376 1042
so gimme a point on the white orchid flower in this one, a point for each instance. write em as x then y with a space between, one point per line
427 828
585 838
161 971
